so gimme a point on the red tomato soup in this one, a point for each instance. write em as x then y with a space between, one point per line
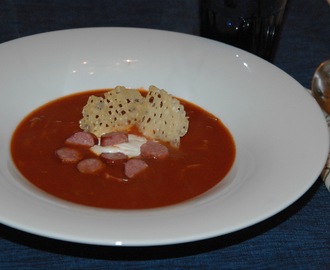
205 156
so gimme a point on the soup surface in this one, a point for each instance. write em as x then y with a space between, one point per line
205 156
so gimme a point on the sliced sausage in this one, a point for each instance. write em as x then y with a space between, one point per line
155 150
134 166
69 155
82 138
90 165
113 138
114 158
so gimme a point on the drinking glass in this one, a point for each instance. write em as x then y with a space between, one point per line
252 25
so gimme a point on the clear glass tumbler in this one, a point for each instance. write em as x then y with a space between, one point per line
252 25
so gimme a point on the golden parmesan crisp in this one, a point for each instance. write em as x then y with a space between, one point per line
117 111
158 116
163 117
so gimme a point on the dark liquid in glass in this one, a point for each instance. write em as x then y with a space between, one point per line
251 25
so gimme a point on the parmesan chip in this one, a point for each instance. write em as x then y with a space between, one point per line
117 111
163 117
158 116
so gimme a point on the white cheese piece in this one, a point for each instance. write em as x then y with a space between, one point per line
131 148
